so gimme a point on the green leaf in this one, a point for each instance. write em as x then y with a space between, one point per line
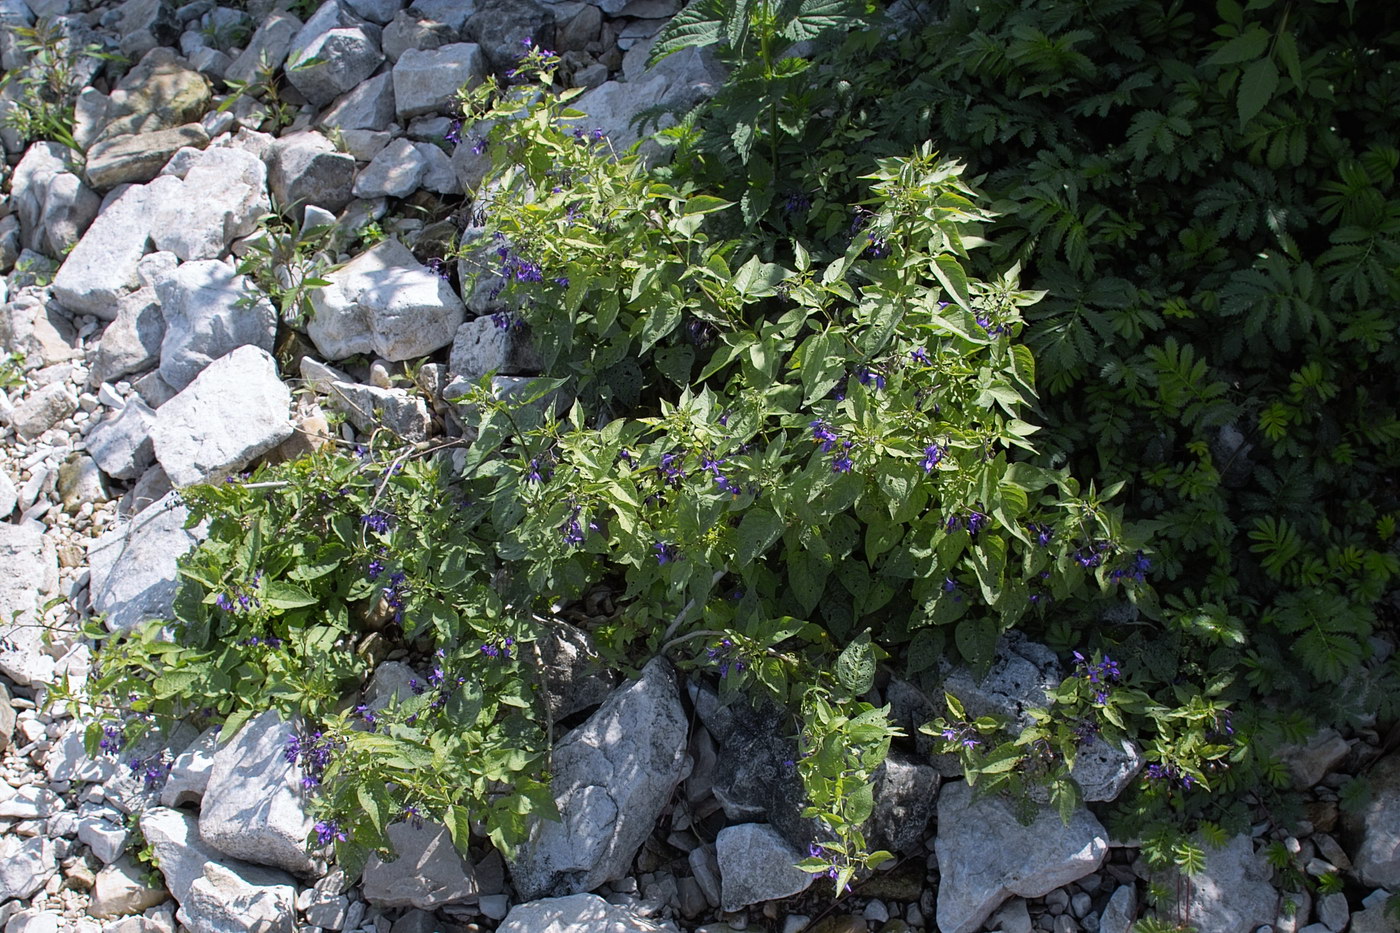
1256 87
925 650
951 274
822 366
698 24
976 638
757 532
280 594
460 826
855 666
861 803
758 279
234 722
807 574
1246 47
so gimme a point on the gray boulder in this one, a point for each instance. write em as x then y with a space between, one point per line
1103 770
985 854
332 53
1233 893
239 899
480 347
386 303
39 329
409 31
1310 761
376 11
54 207
253 806
613 776
42 409
161 92
428 873
305 169
1121 912
28 577
427 81
9 496
573 675
139 157
501 29
233 412
369 106
121 444
121 889
905 789
438 174
210 310
174 838
25 864
394 172
222 199
103 266
1376 829
134 566
578 913
189 772
369 407
266 49
756 864
131 343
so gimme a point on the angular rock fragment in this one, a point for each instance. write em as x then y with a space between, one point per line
134 566
121 444
428 81
222 199
428 873
579 913
756 864
210 311
28 577
332 53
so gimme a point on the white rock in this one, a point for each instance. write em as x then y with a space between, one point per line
400 411
210 310
985 854
253 806
1121 912
368 106
121 889
428 874
480 347
756 864
102 267
384 302
1232 894
222 198
579 913
394 172
234 411
332 53
267 48
245 899
180 853
613 776
8 496
134 566
25 864
438 174
121 444
189 772
131 343
1376 855
28 576
305 169
428 81
106 840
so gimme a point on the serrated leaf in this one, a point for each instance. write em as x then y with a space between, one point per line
1256 87
1242 48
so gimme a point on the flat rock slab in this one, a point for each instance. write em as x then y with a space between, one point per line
25 864
985 854
174 838
613 776
253 806
234 411
756 864
242 899
210 311
386 303
579 913
28 576
121 444
1232 894
135 567
223 196
428 874
139 157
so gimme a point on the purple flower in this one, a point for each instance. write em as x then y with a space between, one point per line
562 281
366 714
975 522
376 521
842 462
821 431
534 476
328 831
454 132
224 603
796 203
375 568
933 455
665 552
920 355
478 145
867 376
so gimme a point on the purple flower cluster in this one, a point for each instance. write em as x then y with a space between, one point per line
974 522
1102 675
712 466
1093 554
583 136
454 131
312 754
499 649
152 771
113 738
376 521
572 529
920 355
242 598
933 456
993 329
1043 533
830 441
877 248
328 831
270 641
671 471
1137 570
962 734
722 657
507 320
394 593
1169 774
665 552
869 376
438 266
796 203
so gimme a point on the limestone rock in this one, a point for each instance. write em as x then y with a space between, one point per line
103 266
253 807
427 81
1121 912
573 675
245 899
756 864
25 864
79 482
480 347
613 775
1376 853
394 172
1232 894
234 411
332 53
579 913
42 409
386 303
210 311
189 773
409 31
368 407
139 158
121 889
121 444
368 106
222 199
131 343
905 789
134 571
428 873
267 48
28 576
1310 762
985 854
161 92
305 169
180 853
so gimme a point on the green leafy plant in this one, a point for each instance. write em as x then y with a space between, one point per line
48 83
